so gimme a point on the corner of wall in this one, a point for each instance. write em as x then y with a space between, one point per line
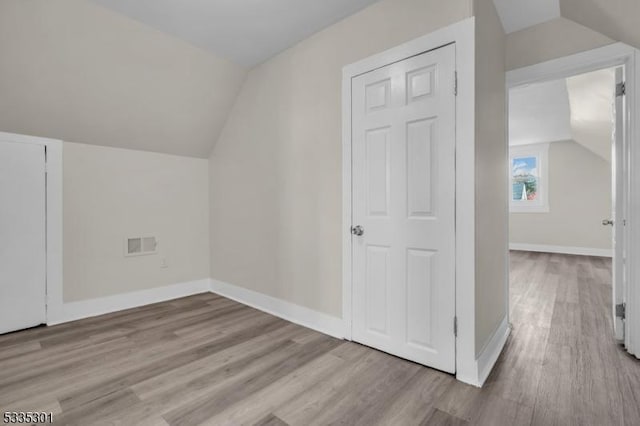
491 154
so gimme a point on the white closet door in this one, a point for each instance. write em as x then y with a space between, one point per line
403 166
22 236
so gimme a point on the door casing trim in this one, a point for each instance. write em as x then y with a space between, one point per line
462 34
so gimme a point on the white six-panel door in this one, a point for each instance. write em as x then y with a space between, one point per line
403 196
22 236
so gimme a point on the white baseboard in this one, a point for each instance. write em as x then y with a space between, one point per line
90 308
488 356
306 317
580 251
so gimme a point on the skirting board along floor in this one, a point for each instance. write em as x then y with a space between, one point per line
318 321
333 326
491 352
206 359
545 248
488 357
327 324
73 311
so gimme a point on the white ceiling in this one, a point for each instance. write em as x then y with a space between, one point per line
579 108
244 31
517 15
539 113
591 97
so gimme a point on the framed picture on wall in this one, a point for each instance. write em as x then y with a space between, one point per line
528 171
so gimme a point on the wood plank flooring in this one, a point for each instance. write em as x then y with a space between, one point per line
208 360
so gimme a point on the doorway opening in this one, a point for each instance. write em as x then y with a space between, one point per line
567 210
621 320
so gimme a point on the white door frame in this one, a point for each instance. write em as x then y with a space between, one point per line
616 54
463 35
53 216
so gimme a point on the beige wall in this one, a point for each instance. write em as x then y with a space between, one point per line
491 163
579 198
110 194
73 70
276 169
550 40
617 19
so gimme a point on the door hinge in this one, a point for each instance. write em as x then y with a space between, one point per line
455 83
621 310
455 326
621 89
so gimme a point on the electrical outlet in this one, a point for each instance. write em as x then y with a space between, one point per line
163 263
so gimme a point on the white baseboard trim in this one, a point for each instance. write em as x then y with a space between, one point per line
488 356
580 251
306 317
93 307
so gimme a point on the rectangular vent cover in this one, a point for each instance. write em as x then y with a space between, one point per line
138 246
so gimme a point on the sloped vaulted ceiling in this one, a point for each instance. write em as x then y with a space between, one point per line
75 71
579 108
520 14
591 97
539 113
245 31
153 75
618 19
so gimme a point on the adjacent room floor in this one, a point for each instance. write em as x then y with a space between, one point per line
208 360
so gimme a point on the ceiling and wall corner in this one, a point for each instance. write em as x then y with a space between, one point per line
276 171
517 15
539 113
557 38
542 30
617 19
75 71
246 32
578 108
591 96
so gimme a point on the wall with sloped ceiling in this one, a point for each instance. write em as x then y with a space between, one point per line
110 194
72 70
617 19
579 199
550 40
75 71
276 197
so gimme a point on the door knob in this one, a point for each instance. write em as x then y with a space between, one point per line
607 222
357 230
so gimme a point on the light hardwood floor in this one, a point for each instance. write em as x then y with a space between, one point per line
208 360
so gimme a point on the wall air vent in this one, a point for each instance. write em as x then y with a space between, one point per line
139 246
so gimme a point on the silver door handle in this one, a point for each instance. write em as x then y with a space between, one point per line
607 222
357 230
